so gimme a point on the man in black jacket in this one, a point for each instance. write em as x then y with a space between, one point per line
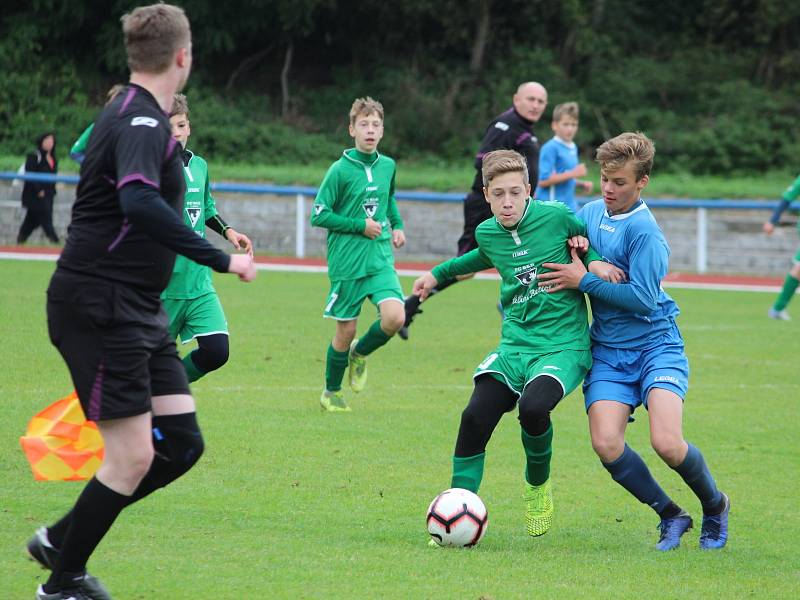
511 130
37 196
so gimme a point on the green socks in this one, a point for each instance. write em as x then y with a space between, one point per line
538 450
372 340
335 367
789 287
192 372
468 472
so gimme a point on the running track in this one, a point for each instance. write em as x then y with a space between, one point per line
317 265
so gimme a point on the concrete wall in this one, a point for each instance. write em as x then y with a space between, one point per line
735 241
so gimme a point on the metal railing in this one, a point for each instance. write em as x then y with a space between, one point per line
302 193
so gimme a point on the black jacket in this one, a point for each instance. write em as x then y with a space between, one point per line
36 162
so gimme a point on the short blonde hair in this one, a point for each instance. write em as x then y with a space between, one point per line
180 106
113 92
152 36
365 106
614 154
567 109
499 162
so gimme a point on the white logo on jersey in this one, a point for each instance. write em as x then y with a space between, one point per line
527 277
552 367
318 208
148 121
194 215
667 378
370 207
194 190
371 188
608 228
519 253
501 125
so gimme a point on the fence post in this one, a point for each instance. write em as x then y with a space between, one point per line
702 240
300 227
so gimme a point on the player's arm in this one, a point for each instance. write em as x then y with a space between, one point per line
78 150
323 214
791 193
471 262
395 220
216 223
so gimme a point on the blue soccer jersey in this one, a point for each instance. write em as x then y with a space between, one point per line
558 156
638 313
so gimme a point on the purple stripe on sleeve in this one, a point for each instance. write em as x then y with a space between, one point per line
128 98
136 177
170 147
97 394
523 136
123 231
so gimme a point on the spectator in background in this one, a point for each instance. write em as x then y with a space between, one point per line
37 196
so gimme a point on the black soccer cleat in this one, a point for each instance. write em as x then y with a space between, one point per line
412 303
43 552
77 587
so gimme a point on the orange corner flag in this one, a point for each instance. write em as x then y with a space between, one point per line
60 444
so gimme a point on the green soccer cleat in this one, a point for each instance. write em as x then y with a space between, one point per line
358 369
333 401
538 508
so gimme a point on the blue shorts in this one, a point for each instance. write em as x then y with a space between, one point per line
627 376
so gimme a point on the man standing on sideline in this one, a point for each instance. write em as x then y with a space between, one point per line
512 130
104 311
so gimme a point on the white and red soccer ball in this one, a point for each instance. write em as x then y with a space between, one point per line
457 517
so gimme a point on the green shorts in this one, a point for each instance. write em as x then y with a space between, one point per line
346 297
195 317
517 369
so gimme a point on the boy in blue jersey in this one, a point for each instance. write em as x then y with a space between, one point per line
558 161
637 350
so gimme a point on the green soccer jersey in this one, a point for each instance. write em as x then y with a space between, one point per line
79 147
535 321
189 279
356 187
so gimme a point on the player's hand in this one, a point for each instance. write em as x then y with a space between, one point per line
768 228
243 266
580 243
562 277
372 229
579 171
398 238
239 240
40 194
607 271
424 284
587 186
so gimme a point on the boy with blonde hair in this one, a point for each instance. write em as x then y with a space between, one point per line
544 346
559 168
356 204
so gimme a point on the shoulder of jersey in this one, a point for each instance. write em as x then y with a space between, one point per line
552 205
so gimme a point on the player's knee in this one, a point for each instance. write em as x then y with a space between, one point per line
669 446
538 398
134 466
392 322
608 447
473 423
179 440
795 270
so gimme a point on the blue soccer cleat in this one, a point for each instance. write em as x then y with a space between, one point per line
714 533
672 530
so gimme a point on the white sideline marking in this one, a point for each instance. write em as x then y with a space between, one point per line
291 268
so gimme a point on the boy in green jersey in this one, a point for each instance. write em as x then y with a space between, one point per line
544 347
78 150
778 310
190 300
356 204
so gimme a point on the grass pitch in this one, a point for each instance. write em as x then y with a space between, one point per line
289 502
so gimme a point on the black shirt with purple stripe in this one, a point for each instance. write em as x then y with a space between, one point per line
132 154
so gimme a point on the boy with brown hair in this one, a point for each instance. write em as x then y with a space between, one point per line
356 204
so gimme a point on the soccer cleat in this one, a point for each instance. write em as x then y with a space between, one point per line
779 315
333 401
357 373
43 552
672 530
432 544
714 532
538 508
412 308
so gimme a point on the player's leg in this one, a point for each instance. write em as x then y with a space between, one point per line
476 210
204 321
778 310
490 399
665 409
549 379
343 305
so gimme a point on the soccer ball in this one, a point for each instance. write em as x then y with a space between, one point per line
457 517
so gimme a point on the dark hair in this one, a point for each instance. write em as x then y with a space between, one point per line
40 139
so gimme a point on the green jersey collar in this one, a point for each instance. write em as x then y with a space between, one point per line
366 161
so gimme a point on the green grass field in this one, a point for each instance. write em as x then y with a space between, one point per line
289 502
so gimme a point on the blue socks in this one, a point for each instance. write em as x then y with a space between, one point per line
631 473
695 473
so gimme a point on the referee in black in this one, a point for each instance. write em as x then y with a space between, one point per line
103 304
511 130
